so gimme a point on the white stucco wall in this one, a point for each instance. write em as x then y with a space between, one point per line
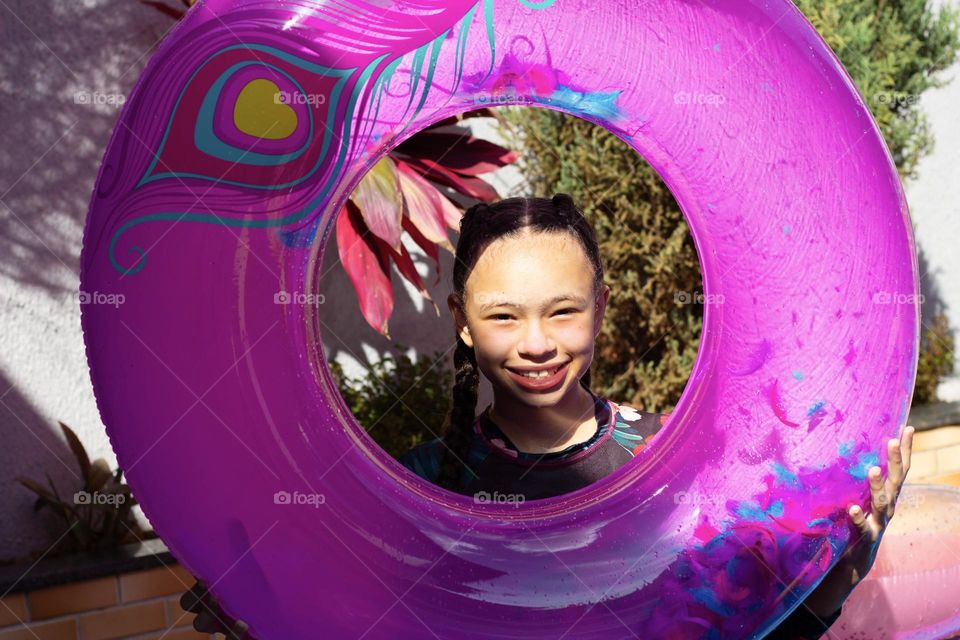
50 149
934 200
49 153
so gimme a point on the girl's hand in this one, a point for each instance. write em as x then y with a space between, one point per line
857 560
210 617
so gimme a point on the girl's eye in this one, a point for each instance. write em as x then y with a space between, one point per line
505 316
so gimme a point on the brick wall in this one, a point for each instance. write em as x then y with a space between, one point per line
139 605
936 457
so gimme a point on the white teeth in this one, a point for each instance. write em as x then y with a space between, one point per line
540 374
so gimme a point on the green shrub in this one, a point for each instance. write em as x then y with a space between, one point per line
936 359
400 403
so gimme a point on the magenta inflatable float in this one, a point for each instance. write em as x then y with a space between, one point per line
213 196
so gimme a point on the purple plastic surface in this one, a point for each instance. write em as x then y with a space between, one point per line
234 437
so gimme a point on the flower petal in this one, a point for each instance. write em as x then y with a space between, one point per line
429 248
365 260
459 151
467 185
409 271
380 201
425 206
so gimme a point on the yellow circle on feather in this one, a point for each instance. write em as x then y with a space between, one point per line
260 111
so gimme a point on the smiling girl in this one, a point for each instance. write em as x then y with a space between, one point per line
528 303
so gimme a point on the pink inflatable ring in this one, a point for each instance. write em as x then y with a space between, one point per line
233 434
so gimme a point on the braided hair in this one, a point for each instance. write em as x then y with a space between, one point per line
482 224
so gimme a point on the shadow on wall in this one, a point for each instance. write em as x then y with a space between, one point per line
65 69
932 300
31 449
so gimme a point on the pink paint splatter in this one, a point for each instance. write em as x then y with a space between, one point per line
772 392
759 354
850 354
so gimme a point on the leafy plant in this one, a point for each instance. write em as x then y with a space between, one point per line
400 193
937 352
99 515
400 403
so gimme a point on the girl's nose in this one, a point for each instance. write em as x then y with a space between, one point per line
535 341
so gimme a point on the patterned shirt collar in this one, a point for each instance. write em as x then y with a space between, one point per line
494 437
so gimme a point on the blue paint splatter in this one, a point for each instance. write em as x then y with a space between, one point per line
863 464
707 597
819 522
846 448
776 509
716 47
785 476
816 406
587 103
750 511
798 375
786 229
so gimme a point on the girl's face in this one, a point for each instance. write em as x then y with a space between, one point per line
529 304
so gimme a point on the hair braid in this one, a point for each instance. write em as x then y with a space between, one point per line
458 428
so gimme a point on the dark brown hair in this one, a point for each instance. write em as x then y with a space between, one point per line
482 224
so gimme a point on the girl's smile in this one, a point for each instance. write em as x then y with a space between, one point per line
539 379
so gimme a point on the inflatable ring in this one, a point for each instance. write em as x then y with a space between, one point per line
913 589
213 196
